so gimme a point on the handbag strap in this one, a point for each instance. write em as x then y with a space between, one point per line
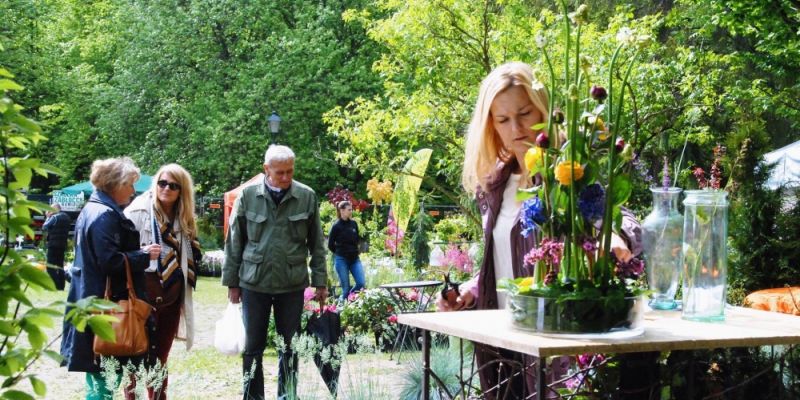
128 283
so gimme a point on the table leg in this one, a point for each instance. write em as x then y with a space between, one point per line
541 385
426 364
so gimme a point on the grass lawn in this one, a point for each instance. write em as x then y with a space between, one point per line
204 373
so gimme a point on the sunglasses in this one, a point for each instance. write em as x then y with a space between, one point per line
172 185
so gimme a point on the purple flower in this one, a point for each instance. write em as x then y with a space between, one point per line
598 93
641 169
558 116
589 244
591 202
532 215
632 268
665 181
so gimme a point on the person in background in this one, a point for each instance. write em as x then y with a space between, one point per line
510 101
103 237
164 215
343 243
57 227
274 227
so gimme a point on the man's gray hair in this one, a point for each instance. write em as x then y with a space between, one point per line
279 153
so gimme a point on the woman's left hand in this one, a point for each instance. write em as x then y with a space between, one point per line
620 248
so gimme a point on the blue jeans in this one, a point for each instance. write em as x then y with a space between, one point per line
344 269
255 314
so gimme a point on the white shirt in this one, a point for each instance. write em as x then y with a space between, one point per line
501 233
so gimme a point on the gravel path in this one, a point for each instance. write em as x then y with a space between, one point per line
204 373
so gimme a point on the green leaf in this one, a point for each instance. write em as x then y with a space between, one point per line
539 126
101 326
38 386
622 190
404 198
8 84
36 336
37 277
16 395
4 72
53 355
7 328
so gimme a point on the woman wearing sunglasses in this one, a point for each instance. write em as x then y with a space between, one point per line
164 215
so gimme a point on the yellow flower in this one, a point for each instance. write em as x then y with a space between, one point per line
564 172
534 157
527 282
599 126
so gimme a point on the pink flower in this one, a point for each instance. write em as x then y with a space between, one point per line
352 296
392 319
394 235
308 294
413 295
330 308
456 258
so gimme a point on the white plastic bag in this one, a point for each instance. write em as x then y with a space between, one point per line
229 333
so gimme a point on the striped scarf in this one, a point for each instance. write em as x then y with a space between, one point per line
169 261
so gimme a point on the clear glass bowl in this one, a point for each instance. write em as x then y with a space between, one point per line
596 315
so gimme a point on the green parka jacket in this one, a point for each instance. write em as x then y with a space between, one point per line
268 245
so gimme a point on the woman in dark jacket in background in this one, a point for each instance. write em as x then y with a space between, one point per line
343 242
102 237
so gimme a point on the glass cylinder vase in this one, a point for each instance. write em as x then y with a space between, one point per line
662 238
705 255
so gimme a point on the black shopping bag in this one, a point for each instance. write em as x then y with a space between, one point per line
327 328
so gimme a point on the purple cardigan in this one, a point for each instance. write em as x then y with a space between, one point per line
484 284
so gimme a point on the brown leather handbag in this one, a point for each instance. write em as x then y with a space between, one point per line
130 330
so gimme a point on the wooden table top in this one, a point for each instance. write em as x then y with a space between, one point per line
663 331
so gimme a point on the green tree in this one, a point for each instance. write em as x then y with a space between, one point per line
22 337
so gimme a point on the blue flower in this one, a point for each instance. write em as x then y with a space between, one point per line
591 202
532 215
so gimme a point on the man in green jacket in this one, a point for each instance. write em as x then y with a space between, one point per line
274 227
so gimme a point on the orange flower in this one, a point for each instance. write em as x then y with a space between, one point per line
564 172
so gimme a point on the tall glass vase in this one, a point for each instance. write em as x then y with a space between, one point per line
662 238
705 255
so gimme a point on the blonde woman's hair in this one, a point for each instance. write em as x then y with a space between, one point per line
184 207
112 173
340 205
483 146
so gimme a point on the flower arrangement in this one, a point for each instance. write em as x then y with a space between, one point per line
580 167
370 310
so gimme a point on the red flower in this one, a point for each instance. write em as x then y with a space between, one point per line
392 319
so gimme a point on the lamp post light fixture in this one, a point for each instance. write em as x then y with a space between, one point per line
274 126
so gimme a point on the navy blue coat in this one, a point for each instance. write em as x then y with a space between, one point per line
102 235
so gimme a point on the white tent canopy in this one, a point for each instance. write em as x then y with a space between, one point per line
787 171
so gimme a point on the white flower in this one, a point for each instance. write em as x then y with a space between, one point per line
540 40
625 36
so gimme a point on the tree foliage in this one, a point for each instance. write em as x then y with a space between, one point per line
22 324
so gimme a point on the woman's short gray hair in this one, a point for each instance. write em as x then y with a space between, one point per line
279 153
111 174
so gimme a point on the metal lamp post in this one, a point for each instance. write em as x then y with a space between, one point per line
274 126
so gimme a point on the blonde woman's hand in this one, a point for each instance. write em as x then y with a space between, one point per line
465 300
153 249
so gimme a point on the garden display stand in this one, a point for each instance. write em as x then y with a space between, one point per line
426 291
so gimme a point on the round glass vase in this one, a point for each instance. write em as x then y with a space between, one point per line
662 238
705 255
599 315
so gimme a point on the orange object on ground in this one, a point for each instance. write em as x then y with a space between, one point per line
783 300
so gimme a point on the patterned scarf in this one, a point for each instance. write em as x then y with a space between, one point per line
169 261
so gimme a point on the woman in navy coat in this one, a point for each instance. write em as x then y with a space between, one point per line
102 236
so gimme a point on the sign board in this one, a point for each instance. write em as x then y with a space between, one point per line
69 202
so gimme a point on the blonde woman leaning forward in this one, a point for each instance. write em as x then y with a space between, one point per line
164 215
510 102
103 236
